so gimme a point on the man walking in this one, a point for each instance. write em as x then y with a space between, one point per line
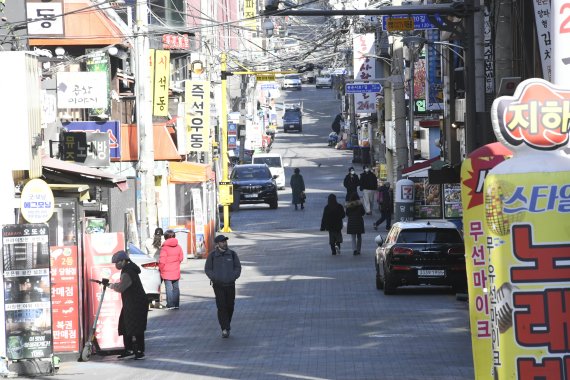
368 186
386 206
351 182
223 268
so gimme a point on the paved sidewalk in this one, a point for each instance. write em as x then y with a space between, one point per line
301 313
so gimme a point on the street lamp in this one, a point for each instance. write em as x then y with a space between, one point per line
415 44
268 27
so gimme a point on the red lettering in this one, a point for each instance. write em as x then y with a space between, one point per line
529 369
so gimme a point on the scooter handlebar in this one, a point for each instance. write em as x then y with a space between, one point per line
103 281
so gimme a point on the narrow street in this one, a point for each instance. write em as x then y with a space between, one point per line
301 313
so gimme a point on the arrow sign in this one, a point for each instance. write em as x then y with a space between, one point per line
362 88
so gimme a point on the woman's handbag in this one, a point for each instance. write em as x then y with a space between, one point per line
303 196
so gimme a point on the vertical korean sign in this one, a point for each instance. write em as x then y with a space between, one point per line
249 13
198 115
65 298
27 291
98 61
527 208
198 221
364 69
161 82
474 169
45 17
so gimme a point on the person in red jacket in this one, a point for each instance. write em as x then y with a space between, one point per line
171 256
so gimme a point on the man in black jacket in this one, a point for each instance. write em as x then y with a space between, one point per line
333 214
368 186
223 268
351 182
133 318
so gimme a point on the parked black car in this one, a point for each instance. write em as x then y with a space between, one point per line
421 252
253 183
292 120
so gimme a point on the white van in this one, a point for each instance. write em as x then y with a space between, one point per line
275 163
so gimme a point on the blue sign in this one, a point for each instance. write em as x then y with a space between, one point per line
362 88
112 128
232 142
269 86
232 129
421 22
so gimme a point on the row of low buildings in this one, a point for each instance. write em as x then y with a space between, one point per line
69 108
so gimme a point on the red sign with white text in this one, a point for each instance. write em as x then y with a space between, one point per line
99 248
65 299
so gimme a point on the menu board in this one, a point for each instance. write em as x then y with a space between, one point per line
427 200
65 298
27 291
452 207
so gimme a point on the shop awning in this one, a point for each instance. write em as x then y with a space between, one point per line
56 165
84 24
164 147
189 172
82 190
420 169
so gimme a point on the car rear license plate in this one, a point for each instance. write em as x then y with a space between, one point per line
431 272
250 195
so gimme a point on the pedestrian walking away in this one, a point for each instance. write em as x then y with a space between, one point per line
223 268
171 256
355 223
351 182
368 186
333 214
298 189
386 206
133 317
154 244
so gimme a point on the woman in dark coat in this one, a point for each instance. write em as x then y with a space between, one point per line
132 321
298 188
333 214
355 225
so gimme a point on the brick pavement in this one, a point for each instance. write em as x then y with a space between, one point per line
301 313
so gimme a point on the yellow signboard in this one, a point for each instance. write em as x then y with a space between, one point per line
161 82
400 24
249 13
265 77
198 115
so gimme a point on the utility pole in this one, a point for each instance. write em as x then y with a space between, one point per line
224 143
399 110
147 212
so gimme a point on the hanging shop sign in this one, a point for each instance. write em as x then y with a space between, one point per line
82 89
161 83
86 148
45 18
198 115
175 42
364 69
111 128
27 291
36 201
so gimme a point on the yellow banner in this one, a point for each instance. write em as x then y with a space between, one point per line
529 271
152 65
249 11
161 83
473 171
198 115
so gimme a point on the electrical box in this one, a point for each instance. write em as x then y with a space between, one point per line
226 193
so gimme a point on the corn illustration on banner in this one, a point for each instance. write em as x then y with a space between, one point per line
527 209
473 172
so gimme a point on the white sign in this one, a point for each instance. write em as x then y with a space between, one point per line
364 69
542 21
37 202
82 89
198 115
45 18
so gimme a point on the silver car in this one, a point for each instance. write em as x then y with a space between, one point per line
150 274
292 81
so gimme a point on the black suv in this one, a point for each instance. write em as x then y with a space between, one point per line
421 252
253 184
292 119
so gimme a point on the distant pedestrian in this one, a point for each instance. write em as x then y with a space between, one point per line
368 186
333 214
336 124
154 244
298 188
171 256
386 206
223 268
351 182
355 224
133 317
